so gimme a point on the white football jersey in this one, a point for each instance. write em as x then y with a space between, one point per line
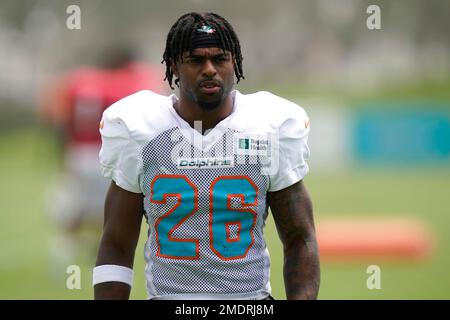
205 195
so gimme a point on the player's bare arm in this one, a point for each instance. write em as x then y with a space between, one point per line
122 223
292 211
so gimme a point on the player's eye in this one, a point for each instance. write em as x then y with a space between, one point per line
222 59
193 60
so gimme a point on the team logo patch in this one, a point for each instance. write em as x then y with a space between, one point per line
205 163
206 29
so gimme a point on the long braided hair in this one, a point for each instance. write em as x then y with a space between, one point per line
180 36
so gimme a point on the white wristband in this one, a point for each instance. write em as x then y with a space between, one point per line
112 273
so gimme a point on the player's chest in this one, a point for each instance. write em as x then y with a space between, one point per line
206 171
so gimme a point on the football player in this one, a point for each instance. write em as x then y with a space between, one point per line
204 167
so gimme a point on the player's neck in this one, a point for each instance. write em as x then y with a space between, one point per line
190 112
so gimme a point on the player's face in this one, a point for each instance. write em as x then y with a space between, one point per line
206 76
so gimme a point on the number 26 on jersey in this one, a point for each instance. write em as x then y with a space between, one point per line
223 218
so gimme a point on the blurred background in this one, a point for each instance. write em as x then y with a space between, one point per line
378 99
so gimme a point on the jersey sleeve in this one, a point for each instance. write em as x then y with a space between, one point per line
119 155
292 151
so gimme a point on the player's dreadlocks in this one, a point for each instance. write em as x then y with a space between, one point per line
181 34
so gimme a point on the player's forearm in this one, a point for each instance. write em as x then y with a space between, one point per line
123 217
301 269
110 254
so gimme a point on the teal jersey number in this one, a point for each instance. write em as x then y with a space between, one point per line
223 216
230 226
178 186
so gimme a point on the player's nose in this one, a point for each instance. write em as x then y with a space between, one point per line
209 70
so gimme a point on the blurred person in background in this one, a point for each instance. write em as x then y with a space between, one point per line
73 106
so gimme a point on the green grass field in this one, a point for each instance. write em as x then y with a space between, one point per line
28 162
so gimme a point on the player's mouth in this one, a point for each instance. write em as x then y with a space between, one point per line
209 87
